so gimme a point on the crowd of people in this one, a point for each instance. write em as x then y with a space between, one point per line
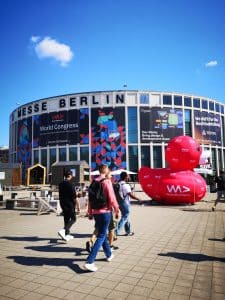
109 205
110 209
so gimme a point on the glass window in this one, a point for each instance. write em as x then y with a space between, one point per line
222 109
44 157
204 104
220 163
178 100
52 154
223 131
167 99
84 154
196 102
144 98
72 153
211 105
223 159
187 101
36 156
217 107
214 159
157 157
133 158
187 114
132 125
145 156
62 154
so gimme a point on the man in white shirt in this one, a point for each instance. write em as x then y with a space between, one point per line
124 204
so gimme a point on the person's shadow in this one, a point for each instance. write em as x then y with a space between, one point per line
196 257
217 240
54 245
41 261
29 239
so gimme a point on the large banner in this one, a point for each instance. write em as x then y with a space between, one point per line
108 138
207 128
61 128
160 124
24 144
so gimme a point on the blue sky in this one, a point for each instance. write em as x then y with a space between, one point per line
55 47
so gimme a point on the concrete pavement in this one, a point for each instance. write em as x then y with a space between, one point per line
176 253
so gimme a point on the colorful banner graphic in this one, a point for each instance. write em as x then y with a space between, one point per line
24 144
108 139
160 124
207 128
61 128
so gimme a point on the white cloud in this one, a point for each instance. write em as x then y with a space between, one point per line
50 48
212 63
35 39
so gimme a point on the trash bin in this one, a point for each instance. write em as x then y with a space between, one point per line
10 204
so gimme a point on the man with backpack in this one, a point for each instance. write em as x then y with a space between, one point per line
220 180
101 202
123 199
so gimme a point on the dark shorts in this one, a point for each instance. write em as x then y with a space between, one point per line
113 222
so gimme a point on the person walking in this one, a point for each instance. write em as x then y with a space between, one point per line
220 180
111 229
102 217
124 204
67 198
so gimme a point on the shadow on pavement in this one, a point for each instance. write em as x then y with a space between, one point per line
217 240
54 248
28 239
193 257
38 239
41 261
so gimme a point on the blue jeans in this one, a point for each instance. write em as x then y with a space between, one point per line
101 224
124 221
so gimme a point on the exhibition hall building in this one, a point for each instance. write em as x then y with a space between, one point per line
125 129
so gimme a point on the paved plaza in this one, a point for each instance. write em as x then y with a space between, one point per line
177 252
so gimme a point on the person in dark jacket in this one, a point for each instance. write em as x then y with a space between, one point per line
67 198
220 180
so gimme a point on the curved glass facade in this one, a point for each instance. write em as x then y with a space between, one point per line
124 129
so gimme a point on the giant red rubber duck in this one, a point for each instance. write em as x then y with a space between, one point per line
178 183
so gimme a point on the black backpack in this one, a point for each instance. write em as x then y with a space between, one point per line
116 188
96 195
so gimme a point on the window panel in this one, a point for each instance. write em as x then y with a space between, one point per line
196 102
204 104
36 156
133 158
132 125
187 101
62 154
52 156
84 154
211 105
72 153
178 100
167 99
145 156
44 157
188 130
144 99
157 157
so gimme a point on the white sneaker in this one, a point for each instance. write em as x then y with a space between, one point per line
61 233
110 258
69 237
90 267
